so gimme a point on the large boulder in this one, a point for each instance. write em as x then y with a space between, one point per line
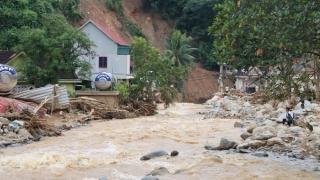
245 135
260 130
274 141
244 145
268 107
154 154
307 106
294 130
238 125
225 144
265 135
251 127
24 133
256 144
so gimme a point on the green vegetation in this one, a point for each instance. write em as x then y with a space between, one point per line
115 5
19 13
51 49
123 89
179 49
153 71
131 27
193 17
273 34
127 24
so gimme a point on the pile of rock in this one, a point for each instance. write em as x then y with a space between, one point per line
13 133
263 129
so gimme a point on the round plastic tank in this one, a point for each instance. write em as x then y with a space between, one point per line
8 78
103 81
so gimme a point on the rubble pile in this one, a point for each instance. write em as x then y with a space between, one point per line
102 111
262 128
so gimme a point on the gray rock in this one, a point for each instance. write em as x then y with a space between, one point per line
226 144
294 130
246 104
174 153
16 130
256 144
243 146
6 131
260 154
307 106
158 172
41 132
181 171
274 141
4 121
268 106
251 127
52 134
0 125
264 136
103 178
245 135
260 130
316 169
211 146
149 178
15 145
25 133
237 124
317 144
267 122
154 154
244 151
6 143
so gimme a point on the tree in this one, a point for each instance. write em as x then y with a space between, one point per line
153 71
18 13
56 47
274 33
179 49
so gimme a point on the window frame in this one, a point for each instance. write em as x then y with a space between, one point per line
101 58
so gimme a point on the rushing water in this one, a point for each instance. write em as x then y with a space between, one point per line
112 149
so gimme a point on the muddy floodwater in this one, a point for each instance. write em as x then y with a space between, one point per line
112 149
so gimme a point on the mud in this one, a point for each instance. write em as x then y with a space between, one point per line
112 149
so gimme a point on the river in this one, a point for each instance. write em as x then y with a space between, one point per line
112 149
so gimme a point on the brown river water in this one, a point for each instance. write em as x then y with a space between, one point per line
112 149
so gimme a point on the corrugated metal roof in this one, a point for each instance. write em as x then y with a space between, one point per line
39 94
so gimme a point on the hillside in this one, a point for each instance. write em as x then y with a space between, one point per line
201 82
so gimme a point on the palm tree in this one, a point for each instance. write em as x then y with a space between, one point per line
179 49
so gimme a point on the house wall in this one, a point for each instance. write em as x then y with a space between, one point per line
241 83
119 65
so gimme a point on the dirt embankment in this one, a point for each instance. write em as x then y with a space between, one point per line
97 11
201 84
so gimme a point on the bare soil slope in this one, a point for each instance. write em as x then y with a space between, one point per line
201 82
97 11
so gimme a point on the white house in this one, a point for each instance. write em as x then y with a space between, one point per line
112 53
248 78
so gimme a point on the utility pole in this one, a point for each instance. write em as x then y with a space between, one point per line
220 77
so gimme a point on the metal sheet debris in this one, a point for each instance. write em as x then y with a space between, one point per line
39 94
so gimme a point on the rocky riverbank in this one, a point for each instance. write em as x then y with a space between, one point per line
262 128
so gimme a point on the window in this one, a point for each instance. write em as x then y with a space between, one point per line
103 62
